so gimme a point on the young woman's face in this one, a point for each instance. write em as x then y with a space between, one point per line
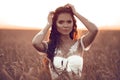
64 23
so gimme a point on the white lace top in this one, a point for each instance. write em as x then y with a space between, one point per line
72 63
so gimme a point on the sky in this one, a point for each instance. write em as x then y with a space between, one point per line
33 13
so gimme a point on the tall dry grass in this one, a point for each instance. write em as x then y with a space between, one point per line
20 61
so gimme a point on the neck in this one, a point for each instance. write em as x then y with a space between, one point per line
65 38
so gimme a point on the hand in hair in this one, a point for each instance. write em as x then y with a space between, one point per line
50 16
72 7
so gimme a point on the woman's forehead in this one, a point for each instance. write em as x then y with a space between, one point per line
63 16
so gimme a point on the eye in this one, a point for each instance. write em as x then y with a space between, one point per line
61 22
69 21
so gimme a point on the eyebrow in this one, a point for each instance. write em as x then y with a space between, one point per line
61 21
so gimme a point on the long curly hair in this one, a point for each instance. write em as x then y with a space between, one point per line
54 38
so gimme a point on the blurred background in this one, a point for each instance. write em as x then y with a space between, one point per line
20 20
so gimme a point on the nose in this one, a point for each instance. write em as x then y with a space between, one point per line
65 25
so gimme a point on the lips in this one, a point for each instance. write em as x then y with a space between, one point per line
66 28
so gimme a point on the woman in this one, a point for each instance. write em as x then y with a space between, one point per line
64 48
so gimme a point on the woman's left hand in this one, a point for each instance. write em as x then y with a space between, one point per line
72 7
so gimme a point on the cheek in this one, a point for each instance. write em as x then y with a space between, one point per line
59 29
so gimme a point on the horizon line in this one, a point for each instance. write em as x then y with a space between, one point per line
14 27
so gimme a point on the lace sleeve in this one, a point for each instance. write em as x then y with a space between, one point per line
82 44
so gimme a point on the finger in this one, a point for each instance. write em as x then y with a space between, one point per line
67 5
52 12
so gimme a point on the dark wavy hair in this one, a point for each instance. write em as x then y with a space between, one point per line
54 38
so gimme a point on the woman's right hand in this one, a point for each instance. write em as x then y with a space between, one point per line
50 16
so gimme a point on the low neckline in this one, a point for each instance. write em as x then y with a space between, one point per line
72 49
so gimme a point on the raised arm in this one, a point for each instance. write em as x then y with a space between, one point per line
92 29
37 41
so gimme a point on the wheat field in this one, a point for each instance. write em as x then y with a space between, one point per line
20 61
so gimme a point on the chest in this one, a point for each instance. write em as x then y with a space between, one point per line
68 50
